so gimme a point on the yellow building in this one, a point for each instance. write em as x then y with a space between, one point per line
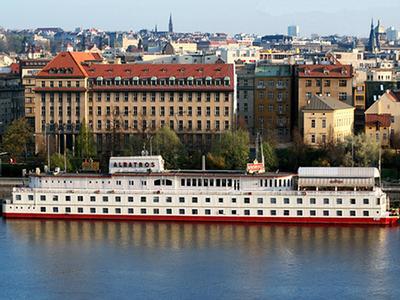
382 119
326 119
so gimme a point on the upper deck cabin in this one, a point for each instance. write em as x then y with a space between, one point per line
338 179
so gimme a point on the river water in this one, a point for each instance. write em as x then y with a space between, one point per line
122 260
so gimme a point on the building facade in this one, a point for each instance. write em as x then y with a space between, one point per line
117 101
29 69
382 119
334 81
245 97
273 99
326 120
11 100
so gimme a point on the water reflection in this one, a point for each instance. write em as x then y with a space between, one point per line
235 260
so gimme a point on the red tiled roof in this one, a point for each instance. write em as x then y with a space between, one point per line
179 71
384 120
70 61
329 71
14 68
84 64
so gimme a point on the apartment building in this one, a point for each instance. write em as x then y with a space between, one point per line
334 81
116 101
327 119
245 97
29 68
273 102
382 118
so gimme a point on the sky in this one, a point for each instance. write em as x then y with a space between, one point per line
346 17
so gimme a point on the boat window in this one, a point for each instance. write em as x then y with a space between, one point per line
205 182
229 182
182 182
157 182
194 182
217 182
223 182
168 182
188 182
211 182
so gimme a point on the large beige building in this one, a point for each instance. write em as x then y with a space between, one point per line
118 100
334 81
327 120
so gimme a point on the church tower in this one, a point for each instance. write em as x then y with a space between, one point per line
372 43
170 25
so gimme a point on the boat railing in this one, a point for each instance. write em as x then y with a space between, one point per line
193 192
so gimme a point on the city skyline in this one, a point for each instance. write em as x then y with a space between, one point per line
259 17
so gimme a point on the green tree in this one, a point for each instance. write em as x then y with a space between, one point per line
134 146
16 138
270 157
57 161
362 151
85 145
231 150
167 144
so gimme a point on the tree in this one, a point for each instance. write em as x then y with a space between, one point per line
270 158
85 145
57 161
166 143
134 146
16 138
231 150
361 151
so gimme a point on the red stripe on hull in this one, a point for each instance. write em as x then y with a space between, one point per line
282 220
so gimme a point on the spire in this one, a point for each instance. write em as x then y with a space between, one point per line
372 43
155 29
372 23
170 25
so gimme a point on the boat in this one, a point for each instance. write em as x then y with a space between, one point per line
140 188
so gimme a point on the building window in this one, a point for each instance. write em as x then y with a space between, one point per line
326 213
299 201
55 209
273 212
260 212
365 213
299 212
247 212
80 198
273 200
142 199
342 83
286 212
68 209
130 210
169 211
92 210
143 211
105 199
339 201
352 201
313 139
312 123
260 200
286 201
313 213
326 200
181 211
366 201
246 200
339 213
105 210
80 210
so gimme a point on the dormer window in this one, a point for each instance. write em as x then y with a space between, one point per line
208 80
326 71
172 80
227 80
99 80
190 80
153 80
135 80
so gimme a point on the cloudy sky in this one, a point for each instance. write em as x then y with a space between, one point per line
350 17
